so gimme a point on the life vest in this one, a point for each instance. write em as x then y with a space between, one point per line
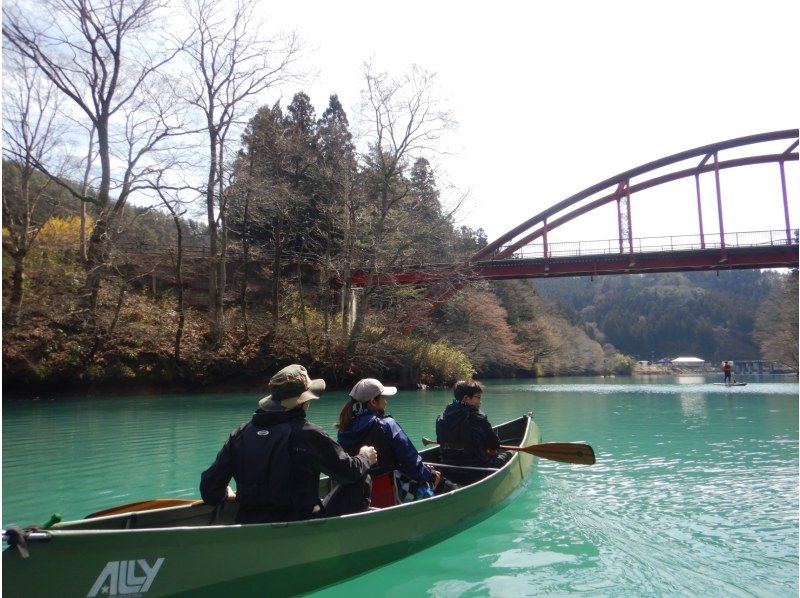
262 466
455 436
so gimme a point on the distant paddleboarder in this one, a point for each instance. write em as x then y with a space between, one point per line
727 369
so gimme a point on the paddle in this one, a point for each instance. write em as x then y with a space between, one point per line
144 505
566 452
445 466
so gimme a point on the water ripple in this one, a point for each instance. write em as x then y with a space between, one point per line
695 491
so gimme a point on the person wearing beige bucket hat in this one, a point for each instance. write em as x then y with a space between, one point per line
290 388
276 459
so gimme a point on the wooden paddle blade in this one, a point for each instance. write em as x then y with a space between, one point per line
566 452
144 505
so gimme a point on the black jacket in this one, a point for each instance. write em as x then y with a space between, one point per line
276 459
464 434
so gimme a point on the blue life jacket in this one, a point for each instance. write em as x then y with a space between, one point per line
365 430
395 450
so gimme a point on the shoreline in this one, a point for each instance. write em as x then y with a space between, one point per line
13 392
49 392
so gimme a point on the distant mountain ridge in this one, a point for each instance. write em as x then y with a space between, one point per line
704 314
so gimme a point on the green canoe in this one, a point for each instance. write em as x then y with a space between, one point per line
197 550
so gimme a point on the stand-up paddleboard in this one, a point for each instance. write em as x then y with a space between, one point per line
730 383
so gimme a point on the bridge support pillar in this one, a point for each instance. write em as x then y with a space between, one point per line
719 202
700 209
623 197
352 309
785 205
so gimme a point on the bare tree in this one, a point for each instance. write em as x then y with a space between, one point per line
232 65
245 268
103 57
87 173
404 120
170 199
31 134
85 165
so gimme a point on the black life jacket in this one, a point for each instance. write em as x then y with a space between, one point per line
455 437
263 468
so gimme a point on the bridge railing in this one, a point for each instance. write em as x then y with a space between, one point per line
134 250
657 244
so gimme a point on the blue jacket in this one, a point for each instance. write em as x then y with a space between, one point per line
404 456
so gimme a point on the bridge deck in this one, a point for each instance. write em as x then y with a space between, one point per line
731 258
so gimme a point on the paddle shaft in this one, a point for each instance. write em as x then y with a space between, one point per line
445 466
565 452
144 505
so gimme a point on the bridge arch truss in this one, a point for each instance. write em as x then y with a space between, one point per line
620 188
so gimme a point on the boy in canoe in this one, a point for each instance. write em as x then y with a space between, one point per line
463 432
276 459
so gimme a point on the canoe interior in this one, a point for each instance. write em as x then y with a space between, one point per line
510 433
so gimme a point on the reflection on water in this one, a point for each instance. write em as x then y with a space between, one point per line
693 404
526 559
694 493
693 379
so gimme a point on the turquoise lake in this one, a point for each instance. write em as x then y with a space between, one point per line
695 490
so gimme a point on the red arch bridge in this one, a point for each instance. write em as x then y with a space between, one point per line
524 251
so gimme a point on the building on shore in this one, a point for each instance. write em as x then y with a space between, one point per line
693 363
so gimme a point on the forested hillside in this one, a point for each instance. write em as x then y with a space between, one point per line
704 314
303 211
507 330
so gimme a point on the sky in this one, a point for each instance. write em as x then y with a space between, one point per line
554 96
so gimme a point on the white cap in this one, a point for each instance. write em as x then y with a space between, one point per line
367 389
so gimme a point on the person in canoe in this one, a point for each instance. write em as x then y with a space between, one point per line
727 370
276 459
363 421
464 433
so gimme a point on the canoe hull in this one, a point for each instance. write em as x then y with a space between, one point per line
267 559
